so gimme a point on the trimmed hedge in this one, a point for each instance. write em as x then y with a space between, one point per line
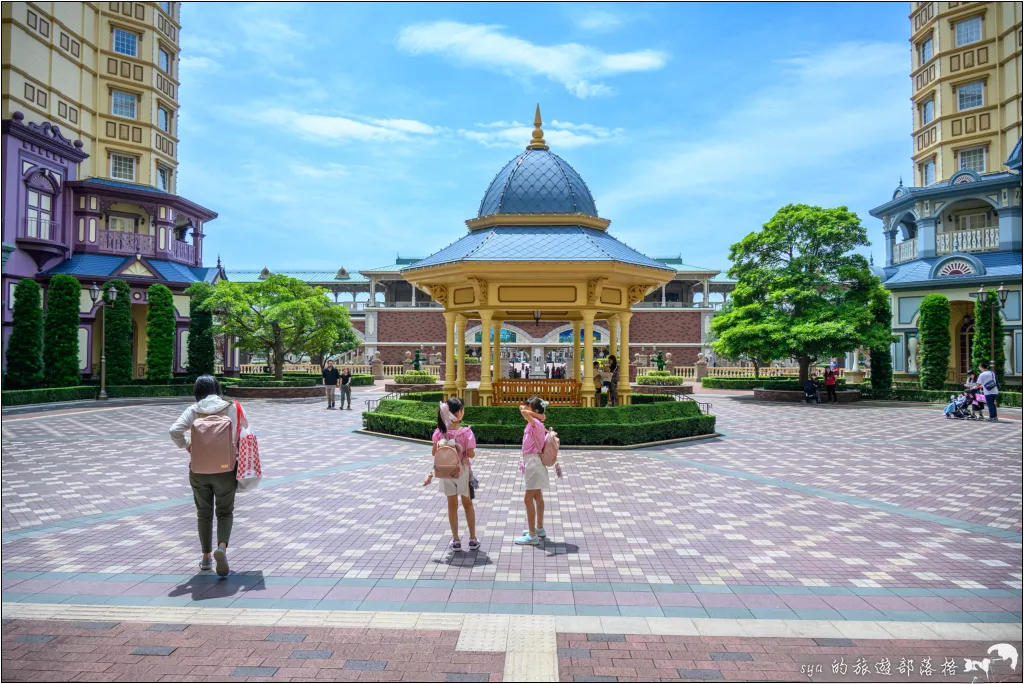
660 378
415 377
201 347
764 383
362 380
25 347
60 332
311 381
46 396
117 329
1006 399
434 397
618 425
134 391
933 331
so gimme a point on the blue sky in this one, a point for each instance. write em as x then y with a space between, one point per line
344 134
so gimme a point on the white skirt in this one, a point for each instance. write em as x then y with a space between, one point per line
458 486
536 473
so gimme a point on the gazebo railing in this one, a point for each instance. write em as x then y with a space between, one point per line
515 391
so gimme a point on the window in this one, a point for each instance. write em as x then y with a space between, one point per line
122 104
927 173
973 159
925 50
968 31
122 167
970 95
126 42
163 178
163 119
165 61
166 7
927 112
40 212
972 221
122 224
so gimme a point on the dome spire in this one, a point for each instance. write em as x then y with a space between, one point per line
537 143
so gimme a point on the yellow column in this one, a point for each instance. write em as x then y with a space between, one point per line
576 350
613 335
497 348
624 359
450 388
485 357
460 382
588 358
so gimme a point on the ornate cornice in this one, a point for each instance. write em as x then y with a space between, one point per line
45 135
584 220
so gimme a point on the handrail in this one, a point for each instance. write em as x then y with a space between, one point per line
516 391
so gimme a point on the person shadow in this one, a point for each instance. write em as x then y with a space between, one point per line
468 559
553 548
205 586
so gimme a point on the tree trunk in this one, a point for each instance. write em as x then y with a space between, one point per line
757 370
805 367
278 354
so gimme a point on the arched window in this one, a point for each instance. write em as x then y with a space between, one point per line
40 214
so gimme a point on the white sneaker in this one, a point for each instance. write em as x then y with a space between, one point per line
220 556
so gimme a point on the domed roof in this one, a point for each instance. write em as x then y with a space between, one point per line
537 181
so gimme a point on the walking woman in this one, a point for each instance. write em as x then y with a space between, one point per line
208 430
613 381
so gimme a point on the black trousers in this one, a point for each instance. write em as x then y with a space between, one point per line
831 393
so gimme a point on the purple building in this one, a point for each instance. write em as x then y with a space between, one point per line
97 230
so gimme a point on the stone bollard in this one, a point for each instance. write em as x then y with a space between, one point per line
700 369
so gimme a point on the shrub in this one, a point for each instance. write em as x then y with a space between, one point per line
60 349
763 383
46 396
881 357
1008 399
160 329
433 397
362 380
935 342
633 424
660 378
201 348
415 377
125 391
287 382
25 347
983 328
651 398
117 323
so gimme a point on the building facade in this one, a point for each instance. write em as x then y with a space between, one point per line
89 108
958 227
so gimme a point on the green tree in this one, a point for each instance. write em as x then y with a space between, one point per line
987 315
345 341
743 329
279 313
201 348
117 333
160 329
881 355
810 289
60 347
25 348
933 329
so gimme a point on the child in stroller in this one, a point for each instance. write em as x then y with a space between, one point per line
811 391
959 407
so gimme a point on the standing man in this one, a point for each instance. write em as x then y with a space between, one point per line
330 375
989 385
346 387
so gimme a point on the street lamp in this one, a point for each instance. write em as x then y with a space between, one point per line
982 295
97 296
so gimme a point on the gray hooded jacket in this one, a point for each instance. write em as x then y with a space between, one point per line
181 431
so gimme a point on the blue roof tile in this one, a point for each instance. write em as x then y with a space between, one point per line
100 265
997 265
537 182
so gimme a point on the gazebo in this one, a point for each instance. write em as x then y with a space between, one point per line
537 250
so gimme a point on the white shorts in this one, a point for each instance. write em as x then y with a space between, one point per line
457 487
536 473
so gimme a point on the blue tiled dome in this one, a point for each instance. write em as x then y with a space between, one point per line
537 182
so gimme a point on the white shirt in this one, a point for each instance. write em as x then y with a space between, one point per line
987 377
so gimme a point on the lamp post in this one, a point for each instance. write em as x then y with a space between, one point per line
982 295
97 296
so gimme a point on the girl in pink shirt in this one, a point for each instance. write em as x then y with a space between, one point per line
449 417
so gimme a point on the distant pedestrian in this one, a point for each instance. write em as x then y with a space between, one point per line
990 386
598 383
330 380
208 430
830 385
346 387
613 380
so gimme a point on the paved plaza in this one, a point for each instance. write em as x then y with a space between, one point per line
879 515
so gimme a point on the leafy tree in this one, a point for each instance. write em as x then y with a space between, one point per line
25 348
743 330
279 313
60 348
985 314
117 333
201 347
933 328
809 290
344 342
881 355
160 329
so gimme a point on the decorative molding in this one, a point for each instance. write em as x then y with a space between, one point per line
584 220
42 179
45 135
637 293
439 294
594 290
480 285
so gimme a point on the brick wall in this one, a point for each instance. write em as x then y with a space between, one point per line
359 324
410 326
658 326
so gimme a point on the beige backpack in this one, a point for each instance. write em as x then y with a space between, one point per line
212 446
447 460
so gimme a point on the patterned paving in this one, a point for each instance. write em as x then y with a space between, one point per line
806 513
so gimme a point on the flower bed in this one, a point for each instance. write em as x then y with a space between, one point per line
618 425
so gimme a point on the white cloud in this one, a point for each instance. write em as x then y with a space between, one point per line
573 65
820 111
323 128
599 20
558 134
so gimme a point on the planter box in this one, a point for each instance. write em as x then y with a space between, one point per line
275 392
397 387
796 396
661 389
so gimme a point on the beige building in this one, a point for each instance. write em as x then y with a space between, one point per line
106 74
966 84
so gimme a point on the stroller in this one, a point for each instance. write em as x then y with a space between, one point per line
960 407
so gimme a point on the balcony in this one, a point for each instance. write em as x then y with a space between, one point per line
678 305
904 251
418 304
975 240
42 239
117 242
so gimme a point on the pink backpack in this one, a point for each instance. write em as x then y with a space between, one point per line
549 449
447 459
